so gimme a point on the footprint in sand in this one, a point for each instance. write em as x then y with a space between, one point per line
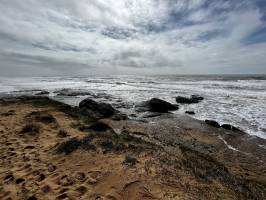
46 189
109 197
19 180
32 198
66 181
81 190
51 168
40 177
62 196
136 189
9 178
94 177
80 176
29 147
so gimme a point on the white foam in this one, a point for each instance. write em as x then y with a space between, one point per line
241 103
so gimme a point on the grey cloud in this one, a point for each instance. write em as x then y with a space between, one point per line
151 36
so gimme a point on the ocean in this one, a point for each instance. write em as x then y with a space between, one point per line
239 100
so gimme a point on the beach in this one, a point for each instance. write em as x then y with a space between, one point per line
51 150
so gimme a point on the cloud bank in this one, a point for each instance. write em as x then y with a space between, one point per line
67 37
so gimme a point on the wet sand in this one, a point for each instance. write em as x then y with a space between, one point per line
171 157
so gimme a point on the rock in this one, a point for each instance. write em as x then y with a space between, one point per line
212 123
101 109
71 92
185 100
227 126
44 92
191 100
197 97
100 126
157 105
190 112
230 127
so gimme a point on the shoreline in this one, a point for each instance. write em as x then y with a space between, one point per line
172 156
238 101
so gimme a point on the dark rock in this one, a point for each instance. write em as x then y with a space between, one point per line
44 92
101 109
230 127
212 123
157 105
100 126
71 92
235 129
185 100
227 126
190 112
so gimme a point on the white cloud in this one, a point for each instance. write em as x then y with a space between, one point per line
151 36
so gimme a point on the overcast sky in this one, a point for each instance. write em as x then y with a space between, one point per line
85 37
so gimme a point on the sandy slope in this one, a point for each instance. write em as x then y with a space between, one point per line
32 168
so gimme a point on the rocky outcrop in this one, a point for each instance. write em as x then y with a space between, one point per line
212 123
191 100
230 127
156 105
190 112
101 110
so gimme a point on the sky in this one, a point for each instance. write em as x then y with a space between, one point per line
88 37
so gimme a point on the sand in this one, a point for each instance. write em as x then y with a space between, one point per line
138 164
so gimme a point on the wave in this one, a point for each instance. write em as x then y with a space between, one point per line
239 100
